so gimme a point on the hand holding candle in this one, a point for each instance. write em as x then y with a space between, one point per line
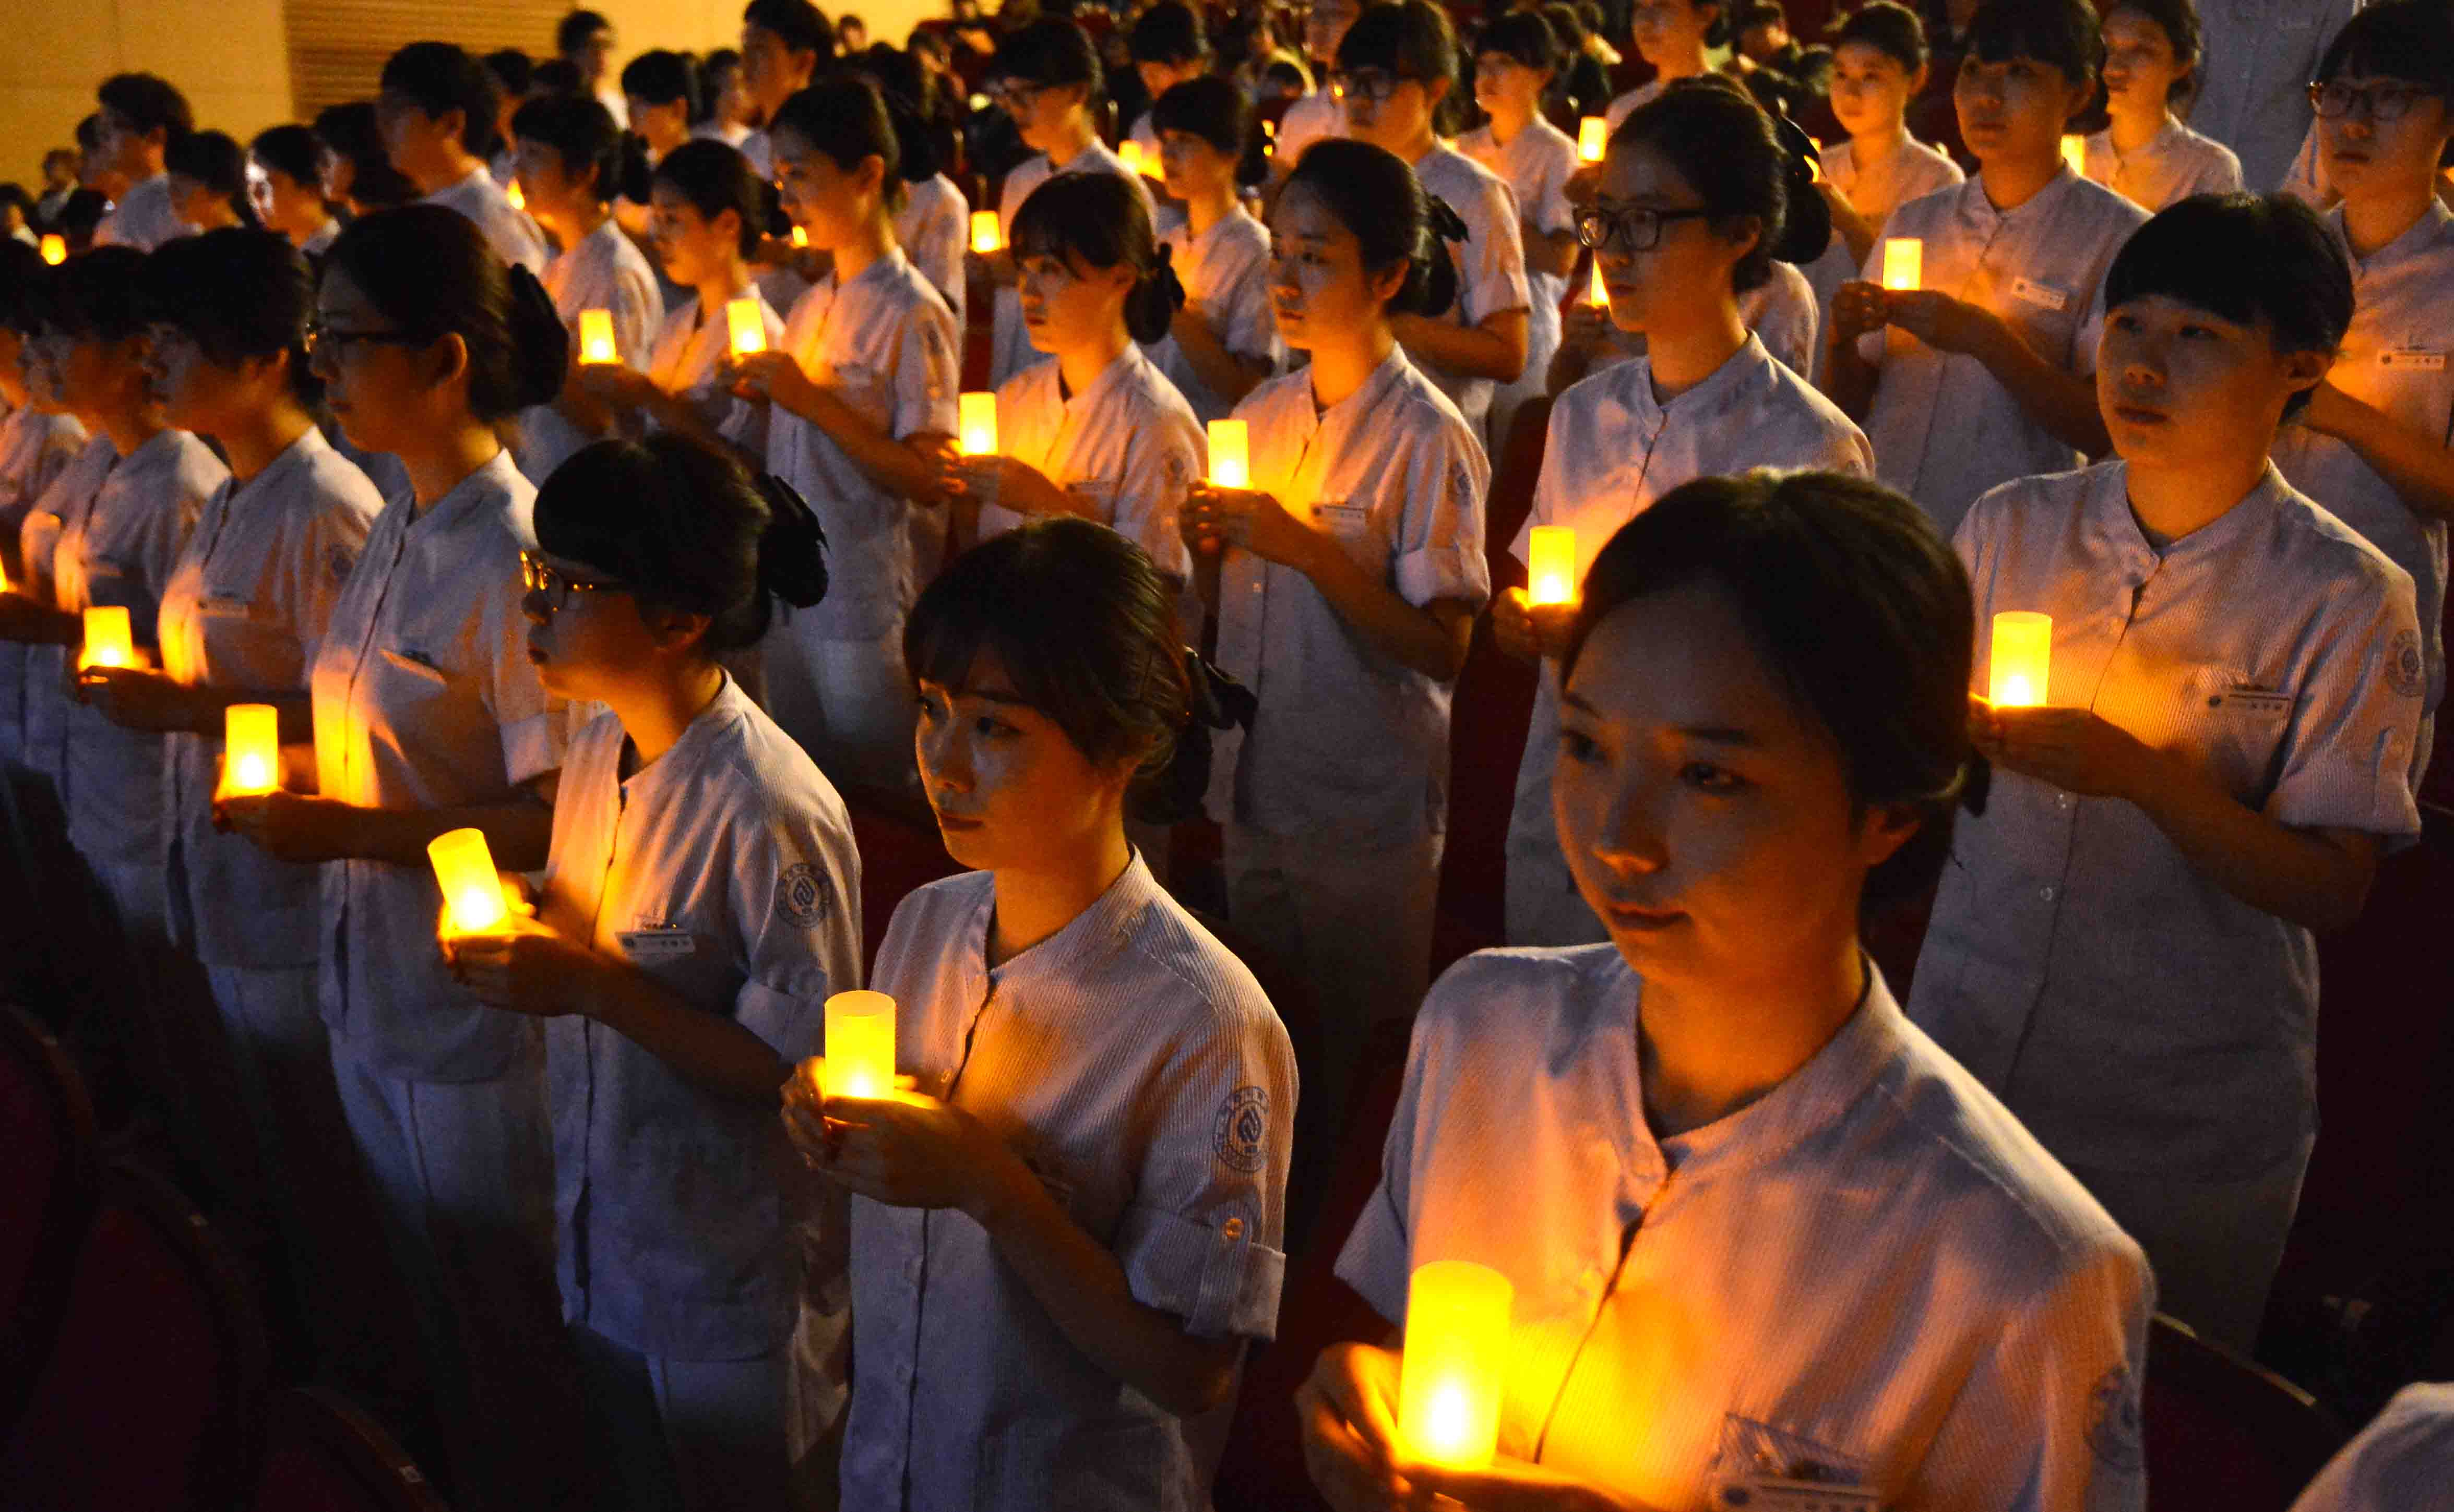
747 326
596 337
1230 454
861 1045
473 893
107 639
2020 661
1450 1379
251 749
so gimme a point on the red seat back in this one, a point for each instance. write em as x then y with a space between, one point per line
49 1181
899 851
323 1455
153 1395
2223 1435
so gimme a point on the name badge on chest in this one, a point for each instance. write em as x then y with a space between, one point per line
2412 360
2045 296
658 943
1768 1494
1339 517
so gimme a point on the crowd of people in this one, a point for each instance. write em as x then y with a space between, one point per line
579 457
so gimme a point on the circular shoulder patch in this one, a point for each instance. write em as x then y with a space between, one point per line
1240 1136
802 895
2113 1430
2404 670
337 562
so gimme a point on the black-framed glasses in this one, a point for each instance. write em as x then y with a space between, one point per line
1638 230
1014 95
1374 86
2335 99
555 586
320 335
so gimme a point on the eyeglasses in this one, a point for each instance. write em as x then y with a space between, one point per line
1639 230
2335 99
542 578
1015 97
1373 85
320 335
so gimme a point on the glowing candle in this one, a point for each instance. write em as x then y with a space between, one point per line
107 640
861 1044
1552 573
1231 444
2075 153
596 336
56 249
976 434
749 327
1129 153
1593 136
472 894
800 236
1457 1351
2024 650
1600 289
987 235
519 201
251 748
1904 263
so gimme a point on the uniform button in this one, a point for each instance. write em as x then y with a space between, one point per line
2066 800
1591 1282
2047 894
1231 1230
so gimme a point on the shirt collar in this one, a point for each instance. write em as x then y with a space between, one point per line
682 760
1118 370
2115 526
1976 205
295 457
2417 239
485 488
1365 399
1740 367
1071 951
161 450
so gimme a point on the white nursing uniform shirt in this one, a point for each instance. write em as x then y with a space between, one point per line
1490 263
1944 429
508 229
725 870
2402 1461
36 448
1623 106
425 698
1127 445
246 609
1915 170
604 271
935 228
1536 165
1316 117
1612 448
47 703
1870 1278
2394 357
2260 55
885 345
143 218
122 551
1135 1067
1348 747
691 348
1226 275
2135 1015
2173 165
1014 350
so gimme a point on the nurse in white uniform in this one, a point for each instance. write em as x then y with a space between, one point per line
1694 200
1345 582
1516 59
2373 446
2401 1462
141 115
1047 77
1322 114
933 223
573 164
242 615
39 441
701 902
1222 341
709 213
1169 46
1674 37
2261 55
863 394
1397 67
438 114
1065 1236
2145 154
1094 429
1981 373
1665 1143
430 718
2124 947
1878 66
287 171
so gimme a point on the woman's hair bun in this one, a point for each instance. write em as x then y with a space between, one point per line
540 345
792 551
1807 222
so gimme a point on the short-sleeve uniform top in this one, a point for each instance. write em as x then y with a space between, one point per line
1915 170
2173 165
1226 275
2395 356
1014 349
604 271
247 609
884 344
1136 1069
143 218
933 226
1943 428
122 551
1347 745
689 350
1127 445
1871 1277
2134 1014
1536 165
507 228
1490 262
1316 117
724 869
47 703
425 698
2402 1461
2260 54
36 448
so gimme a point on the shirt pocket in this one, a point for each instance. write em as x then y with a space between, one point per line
406 690
2236 722
246 644
1350 523
867 389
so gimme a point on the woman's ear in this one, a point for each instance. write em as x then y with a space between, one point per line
448 359
1884 828
676 630
2308 370
870 175
1744 231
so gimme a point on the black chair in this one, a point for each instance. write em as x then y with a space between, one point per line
323 1455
